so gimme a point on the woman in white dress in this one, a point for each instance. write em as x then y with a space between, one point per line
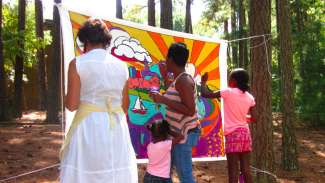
97 147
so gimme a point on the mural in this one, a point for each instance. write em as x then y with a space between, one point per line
144 48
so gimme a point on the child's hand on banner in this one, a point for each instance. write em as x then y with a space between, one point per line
204 78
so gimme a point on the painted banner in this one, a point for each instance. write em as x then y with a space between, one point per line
143 48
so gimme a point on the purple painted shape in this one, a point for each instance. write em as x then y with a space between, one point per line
202 149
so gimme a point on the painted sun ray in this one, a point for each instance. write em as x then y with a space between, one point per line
211 67
168 39
159 42
178 39
198 45
189 44
78 18
208 48
212 56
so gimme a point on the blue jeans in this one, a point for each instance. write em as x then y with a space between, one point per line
182 157
148 178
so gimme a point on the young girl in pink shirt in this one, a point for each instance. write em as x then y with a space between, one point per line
159 152
237 103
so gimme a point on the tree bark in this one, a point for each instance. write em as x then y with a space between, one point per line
263 153
4 113
119 8
289 142
243 52
151 12
188 18
225 29
234 49
40 55
166 14
19 65
53 104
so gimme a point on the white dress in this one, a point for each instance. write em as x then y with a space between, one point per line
98 153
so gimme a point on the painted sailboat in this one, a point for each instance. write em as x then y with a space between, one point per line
139 107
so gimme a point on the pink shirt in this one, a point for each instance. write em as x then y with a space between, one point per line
159 155
236 106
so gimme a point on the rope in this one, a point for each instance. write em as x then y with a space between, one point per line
29 173
264 43
250 37
260 44
256 170
267 57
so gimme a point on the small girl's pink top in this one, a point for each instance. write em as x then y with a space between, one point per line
159 155
236 106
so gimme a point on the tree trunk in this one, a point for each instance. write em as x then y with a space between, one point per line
53 99
300 24
260 23
289 142
40 55
243 52
166 14
225 29
119 8
188 18
4 113
151 13
234 33
19 65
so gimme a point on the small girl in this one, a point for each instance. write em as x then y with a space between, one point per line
159 152
237 103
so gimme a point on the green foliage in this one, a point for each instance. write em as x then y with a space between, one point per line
12 38
213 18
178 15
309 56
136 13
205 27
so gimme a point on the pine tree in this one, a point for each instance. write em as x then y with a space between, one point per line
260 23
166 14
188 18
40 55
19 65
53 104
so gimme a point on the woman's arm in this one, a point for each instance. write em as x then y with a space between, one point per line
177 137
73 96
125 98
185 87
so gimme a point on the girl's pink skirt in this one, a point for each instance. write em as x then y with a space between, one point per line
239 141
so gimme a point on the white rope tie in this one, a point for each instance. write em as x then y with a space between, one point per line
256 170
250 37
29 173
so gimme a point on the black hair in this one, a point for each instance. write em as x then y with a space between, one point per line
159 129
179 53
94 31
241 77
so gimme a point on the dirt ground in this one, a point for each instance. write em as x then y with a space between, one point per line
28 144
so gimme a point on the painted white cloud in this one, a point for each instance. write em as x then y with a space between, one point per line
127 46
191 70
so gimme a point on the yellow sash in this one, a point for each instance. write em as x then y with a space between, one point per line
83 111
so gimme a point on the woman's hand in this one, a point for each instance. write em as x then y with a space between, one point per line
204 78
156 97
163 68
